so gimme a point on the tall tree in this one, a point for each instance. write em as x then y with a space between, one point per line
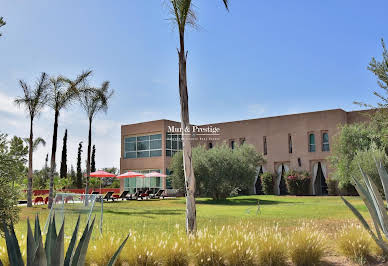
94 100
73 176
63 171
93 163
33 101
2 23
79 169
61 92
183 14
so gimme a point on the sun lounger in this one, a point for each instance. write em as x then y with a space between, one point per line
158 195
108 196
123 195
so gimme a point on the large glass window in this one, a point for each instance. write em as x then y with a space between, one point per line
311 142
325 142
173 144
143 146
131 184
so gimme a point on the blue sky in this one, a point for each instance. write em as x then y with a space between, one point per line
263 58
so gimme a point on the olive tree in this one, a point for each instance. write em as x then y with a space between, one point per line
220 171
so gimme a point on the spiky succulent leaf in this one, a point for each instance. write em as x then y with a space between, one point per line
80 253
383 177
57 257
32 246
117 253
377 202
40 257
13 248
1 263
51 239
70 249
365 196
38 232
359 216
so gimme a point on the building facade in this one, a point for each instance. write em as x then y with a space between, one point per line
298 141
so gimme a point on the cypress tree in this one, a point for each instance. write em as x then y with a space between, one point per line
93 163
79 170
63 172
73 176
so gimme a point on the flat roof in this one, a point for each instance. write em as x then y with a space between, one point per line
251 119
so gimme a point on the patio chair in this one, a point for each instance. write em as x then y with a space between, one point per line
137 195
158 195
95 193
38 199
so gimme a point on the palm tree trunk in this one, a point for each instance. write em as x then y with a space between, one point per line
88 158
52 164
29 185
191 213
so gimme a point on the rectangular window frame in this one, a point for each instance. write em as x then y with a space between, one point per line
140 152
174 144
265 148
325 145
311 147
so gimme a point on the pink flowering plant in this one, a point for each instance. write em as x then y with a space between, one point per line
298 183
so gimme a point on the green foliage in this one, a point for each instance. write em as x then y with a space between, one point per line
79 182
93 163
220 171
351 140
298 183
63 171
12 169
52 253
267 182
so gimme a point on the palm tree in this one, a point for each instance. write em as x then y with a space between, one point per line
33 101
36 143
61 92
93 100
183 14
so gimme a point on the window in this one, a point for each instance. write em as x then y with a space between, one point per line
173 144
242 141
325 142
311 142
131 184
232 144
210 145
143 146
265 145
289 143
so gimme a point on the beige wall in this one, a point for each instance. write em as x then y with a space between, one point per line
276 130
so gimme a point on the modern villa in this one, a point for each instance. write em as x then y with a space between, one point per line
297 141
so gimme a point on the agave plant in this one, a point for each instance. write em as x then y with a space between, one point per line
52 254
375 204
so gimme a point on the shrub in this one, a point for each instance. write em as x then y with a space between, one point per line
272 250
355 244
306 246
298 183
267 183
220 171
332 187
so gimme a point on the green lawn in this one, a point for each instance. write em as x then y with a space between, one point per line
156 216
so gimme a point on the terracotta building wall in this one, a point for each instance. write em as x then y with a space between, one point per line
275 129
